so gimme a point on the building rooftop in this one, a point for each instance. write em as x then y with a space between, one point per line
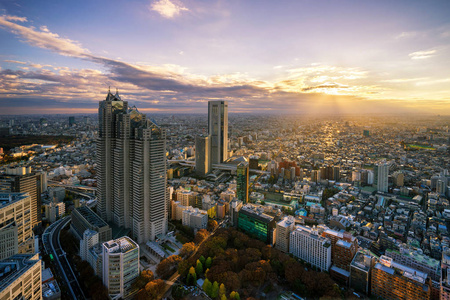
14 266
418 257
387 265
120 245
312 233
286 222
91 216
363 259
9 198
256 213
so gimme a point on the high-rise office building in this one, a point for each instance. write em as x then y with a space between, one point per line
16 233
242 182
202 155
23 180
120 267
381 172
131 170
218 130
256 223
71 121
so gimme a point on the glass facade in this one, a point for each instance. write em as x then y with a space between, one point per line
256 225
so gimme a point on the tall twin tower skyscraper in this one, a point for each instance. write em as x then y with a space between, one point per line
131 170
213 149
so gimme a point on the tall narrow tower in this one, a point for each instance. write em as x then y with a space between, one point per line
218 130
131 170
381 172
242 181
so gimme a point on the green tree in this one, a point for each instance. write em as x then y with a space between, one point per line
202 259
208 262
215 290
235 295
223 297
199 268
207 287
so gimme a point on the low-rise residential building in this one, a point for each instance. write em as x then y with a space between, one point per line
195 218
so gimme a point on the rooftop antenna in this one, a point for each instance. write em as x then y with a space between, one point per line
117 91
109 89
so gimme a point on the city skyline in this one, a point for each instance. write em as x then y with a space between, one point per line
174 56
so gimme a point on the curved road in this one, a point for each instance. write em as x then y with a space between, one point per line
52 246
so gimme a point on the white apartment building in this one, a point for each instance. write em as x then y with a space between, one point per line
177 210
54 210
21 277
195 218
306 244
381 176
283 232
120 267
89 240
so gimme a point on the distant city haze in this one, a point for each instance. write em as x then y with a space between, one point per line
173 56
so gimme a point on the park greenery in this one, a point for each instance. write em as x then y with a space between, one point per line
235 266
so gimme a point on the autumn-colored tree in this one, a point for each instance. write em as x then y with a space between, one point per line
167 265
222 290
154 288
223 297
148 275
200 236
183 267
207 287
187 249
145 277
231 280
212 224
215 290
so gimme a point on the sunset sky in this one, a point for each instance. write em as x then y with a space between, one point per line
172 56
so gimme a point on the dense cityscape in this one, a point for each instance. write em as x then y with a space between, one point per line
224 150
229 206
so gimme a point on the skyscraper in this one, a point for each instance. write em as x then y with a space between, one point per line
242 182
131 169
218 130
202 157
